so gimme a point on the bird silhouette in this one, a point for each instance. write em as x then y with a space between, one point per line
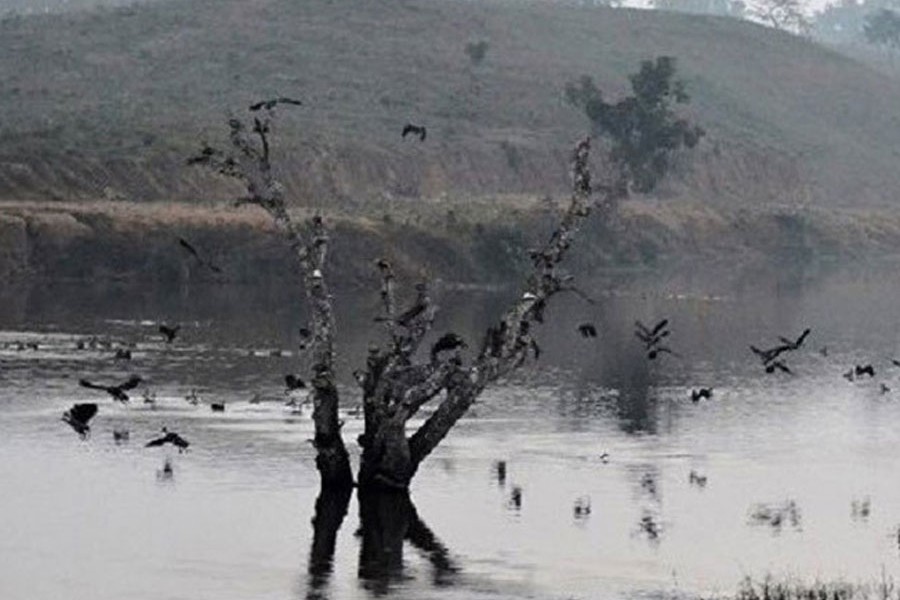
116 391
418 130
270 104
859 371
292 382
515 498
696 479
78 417
582 507
169 332
120 436
697 395
587 330
777 364
203 262
123 354
217 406
795 345
500 471
652 338
448 341
169 437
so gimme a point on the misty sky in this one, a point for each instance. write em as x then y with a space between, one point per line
39 6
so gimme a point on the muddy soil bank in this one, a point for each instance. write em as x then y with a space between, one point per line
459 242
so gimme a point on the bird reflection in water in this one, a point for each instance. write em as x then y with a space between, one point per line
388 519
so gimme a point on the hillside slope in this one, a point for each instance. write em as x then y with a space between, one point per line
108 103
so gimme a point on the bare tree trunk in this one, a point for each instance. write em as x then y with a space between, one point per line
395 389
250 163
331 508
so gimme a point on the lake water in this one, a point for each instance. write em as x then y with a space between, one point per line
799 469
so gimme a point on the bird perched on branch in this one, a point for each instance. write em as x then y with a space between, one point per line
170 437
169 332
78 417
293 382
270 104
448 341
116 391
418 130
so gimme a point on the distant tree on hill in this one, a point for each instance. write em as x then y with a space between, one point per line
643 129
844 21
883 29
786 15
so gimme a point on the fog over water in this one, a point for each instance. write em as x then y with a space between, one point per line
787 462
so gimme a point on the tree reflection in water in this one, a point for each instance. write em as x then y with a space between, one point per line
387 520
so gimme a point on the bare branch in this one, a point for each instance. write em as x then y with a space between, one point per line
507 345
266 192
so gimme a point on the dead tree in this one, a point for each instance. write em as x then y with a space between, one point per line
395 382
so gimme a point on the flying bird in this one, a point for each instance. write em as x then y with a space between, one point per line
864 370
193 252
270 104
795 345
418 130
653 338
78 417
170 437
169 332
587 330
116 391
777 364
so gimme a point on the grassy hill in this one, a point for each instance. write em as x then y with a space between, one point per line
108 103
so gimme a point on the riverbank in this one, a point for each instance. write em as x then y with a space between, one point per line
463 241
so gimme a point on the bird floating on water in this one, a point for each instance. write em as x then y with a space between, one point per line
702 393
587 330
169 332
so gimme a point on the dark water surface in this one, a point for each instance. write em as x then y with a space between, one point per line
800 470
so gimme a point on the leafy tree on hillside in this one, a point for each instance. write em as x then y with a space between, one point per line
642 129
883 29
844 21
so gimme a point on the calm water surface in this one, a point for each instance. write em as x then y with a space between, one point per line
92 519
